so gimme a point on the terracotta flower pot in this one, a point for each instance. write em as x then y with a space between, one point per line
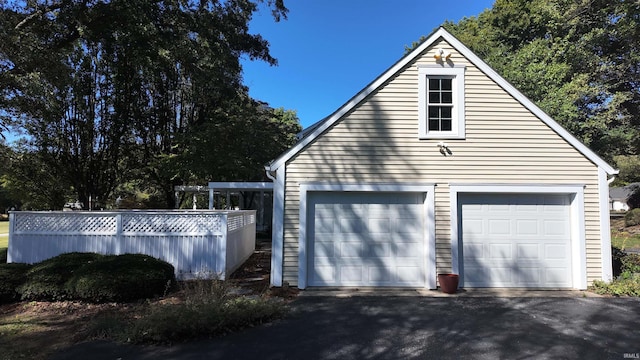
448 283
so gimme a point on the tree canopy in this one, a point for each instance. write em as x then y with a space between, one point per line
578 60
135 93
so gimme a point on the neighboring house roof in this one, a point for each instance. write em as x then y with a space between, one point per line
623 193
317 129
619 193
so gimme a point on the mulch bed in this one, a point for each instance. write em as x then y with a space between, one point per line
254 274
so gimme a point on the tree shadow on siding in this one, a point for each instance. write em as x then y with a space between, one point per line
369 145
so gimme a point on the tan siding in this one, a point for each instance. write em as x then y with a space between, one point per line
378 142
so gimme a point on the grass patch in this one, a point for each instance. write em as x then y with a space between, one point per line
4 234
624 240
624 237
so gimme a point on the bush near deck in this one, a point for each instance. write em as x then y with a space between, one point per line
89 277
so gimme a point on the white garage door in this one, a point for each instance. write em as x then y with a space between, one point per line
366 239
518 240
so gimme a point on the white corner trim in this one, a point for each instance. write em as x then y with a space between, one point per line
605 226
277 228
430 238
578 236
429 211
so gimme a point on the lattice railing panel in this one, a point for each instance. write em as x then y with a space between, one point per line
238 221
58 222
171 223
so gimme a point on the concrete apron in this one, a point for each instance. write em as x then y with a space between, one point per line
484 292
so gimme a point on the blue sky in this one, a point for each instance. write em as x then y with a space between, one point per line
329 50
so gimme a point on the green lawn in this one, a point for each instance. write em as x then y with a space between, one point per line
4 234
625 241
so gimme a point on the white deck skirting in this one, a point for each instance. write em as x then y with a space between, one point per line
201 243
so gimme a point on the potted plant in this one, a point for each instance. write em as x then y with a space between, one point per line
448 283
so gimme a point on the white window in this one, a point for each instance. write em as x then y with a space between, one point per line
441 102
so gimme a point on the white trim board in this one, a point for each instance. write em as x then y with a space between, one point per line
320 127
429 228
578 236
241 185
277 228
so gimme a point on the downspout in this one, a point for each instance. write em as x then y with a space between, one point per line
609 181
270 173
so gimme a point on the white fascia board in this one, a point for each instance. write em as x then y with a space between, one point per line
241 185
516 188
469 55
381 187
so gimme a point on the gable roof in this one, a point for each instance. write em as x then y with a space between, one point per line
315 130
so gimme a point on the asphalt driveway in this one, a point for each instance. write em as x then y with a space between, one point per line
393 327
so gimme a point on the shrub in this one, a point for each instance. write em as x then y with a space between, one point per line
12 276
122 278
632 217
47 280
631 263
98 278
3 255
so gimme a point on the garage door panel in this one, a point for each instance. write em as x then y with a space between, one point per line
324 225
555 227
556 252
478 276
526 251
323 249
379 275
324 274
515 240
525 276
410 275
472 227
527 227
557 276
366 239
351 249
500 252
499 227
379 224
406 249
351 225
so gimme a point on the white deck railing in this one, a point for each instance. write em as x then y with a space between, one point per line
198 243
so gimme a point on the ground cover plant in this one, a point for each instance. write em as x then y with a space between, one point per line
35 329
627 277
205 308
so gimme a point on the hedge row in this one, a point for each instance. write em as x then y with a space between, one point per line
89 277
